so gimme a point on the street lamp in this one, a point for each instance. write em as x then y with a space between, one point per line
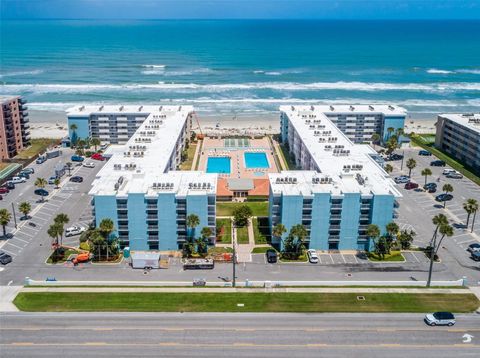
234 253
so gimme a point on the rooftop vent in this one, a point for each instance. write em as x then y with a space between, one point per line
371 108
352 108
391 108
332 108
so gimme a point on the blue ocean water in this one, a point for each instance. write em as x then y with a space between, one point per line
245 66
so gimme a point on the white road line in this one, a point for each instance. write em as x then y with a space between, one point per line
9 252
46 208
415 256
343 257
18 247
355 257
17 238
48 216
464 242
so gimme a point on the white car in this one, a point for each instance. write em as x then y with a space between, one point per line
74 230
16 180
448 171
89 165
440 319
312 256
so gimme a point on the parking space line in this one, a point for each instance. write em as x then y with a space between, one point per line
9 243
355 258
48 216
8 251
17 238
50 204
415 256
464 242
47 208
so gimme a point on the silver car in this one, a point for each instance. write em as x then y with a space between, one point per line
440 319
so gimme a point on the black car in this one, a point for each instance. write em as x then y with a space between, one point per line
424 152
430 187
10 185
76 179
24 175
395 157
271 256
475 256
438 163
5 258
41 192
444 197
474 247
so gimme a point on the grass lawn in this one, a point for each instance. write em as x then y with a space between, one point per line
262 250
242 235
261 230
253 302
219 250
187 164
68 252
286 158
425 142
259 208
394 256
224 231
39 145
301 258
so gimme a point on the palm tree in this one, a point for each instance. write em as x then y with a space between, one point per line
40 183
56 182
475 207
470 206
55 231
447 188
426 172
192 222
390 130
61 219
74 137
106 228
25 208
439 221
69 168
5 218
388 168
411 163
95 142
373 232
392 229
375 138
279 230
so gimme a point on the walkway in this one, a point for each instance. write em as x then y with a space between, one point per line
7 295
197 153
244 251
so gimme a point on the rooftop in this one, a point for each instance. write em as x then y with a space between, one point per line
362 109
116 109
344 167
469 120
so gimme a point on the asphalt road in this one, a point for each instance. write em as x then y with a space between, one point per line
234 335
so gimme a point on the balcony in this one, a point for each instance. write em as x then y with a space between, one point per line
335 217
152 217
336 206
122 227
152 228
334 228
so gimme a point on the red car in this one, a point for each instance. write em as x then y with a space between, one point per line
411 185
97 156
4 190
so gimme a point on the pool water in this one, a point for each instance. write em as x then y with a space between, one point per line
256 160
220 165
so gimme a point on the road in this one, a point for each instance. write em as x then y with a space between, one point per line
234 335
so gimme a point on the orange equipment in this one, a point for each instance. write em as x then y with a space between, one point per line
82 257
201 135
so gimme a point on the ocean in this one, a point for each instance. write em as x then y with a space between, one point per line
243 67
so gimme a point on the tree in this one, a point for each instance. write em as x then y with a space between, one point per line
95 142
61 219
192 222
391 145
5 218
470 206
278 230
388 168
439 221
293 245
405 238
55 231
411 163
69 168
474 215
74 137
373 232
202 241
447 188
57 183
381 247
25 208
426 172
106 227
40 183
390 130
241 214
392 232
375 138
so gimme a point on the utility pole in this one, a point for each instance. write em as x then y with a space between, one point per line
403 156
234 236
14 216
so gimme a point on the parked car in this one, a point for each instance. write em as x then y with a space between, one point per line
448 171
424 152
28 170
438 163
475 256
40 160
89 165
430 187
76 179
474 247
97 156
17 180
5 258
24 175
455 175
401 179
395 157
312 256
74 230
4 190
444 197
52 179
440 319
41 192
77 158
10 185
411 185
271 256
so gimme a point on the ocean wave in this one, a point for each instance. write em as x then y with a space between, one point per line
439 72
274 86
469 71
273 73
154 72
187 72
21 73
154 66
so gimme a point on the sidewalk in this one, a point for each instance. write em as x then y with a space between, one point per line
7 295
244 251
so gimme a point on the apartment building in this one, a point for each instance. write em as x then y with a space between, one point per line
339 190
139 189
459 136
14 127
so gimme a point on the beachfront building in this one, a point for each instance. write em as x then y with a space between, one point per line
340 188
111 124
360 122
139 189
459 136
14 127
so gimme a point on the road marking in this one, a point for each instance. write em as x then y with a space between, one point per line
464 242
18 247
9 252
17 238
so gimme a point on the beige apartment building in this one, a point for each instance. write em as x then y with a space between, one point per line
14 127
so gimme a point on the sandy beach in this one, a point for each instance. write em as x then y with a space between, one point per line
54 124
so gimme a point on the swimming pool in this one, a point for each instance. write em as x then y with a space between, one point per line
256 160
219 165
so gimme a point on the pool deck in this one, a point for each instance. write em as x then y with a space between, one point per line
213 147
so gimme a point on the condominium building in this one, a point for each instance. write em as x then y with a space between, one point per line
14 127
459 136
110 124
360 122
340 190
139 189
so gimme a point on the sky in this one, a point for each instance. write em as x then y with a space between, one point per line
239 9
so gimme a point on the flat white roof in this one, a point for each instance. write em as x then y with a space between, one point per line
384 109
344 167
87 110
468 120
140 165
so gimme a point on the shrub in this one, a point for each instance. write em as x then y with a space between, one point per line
85 246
